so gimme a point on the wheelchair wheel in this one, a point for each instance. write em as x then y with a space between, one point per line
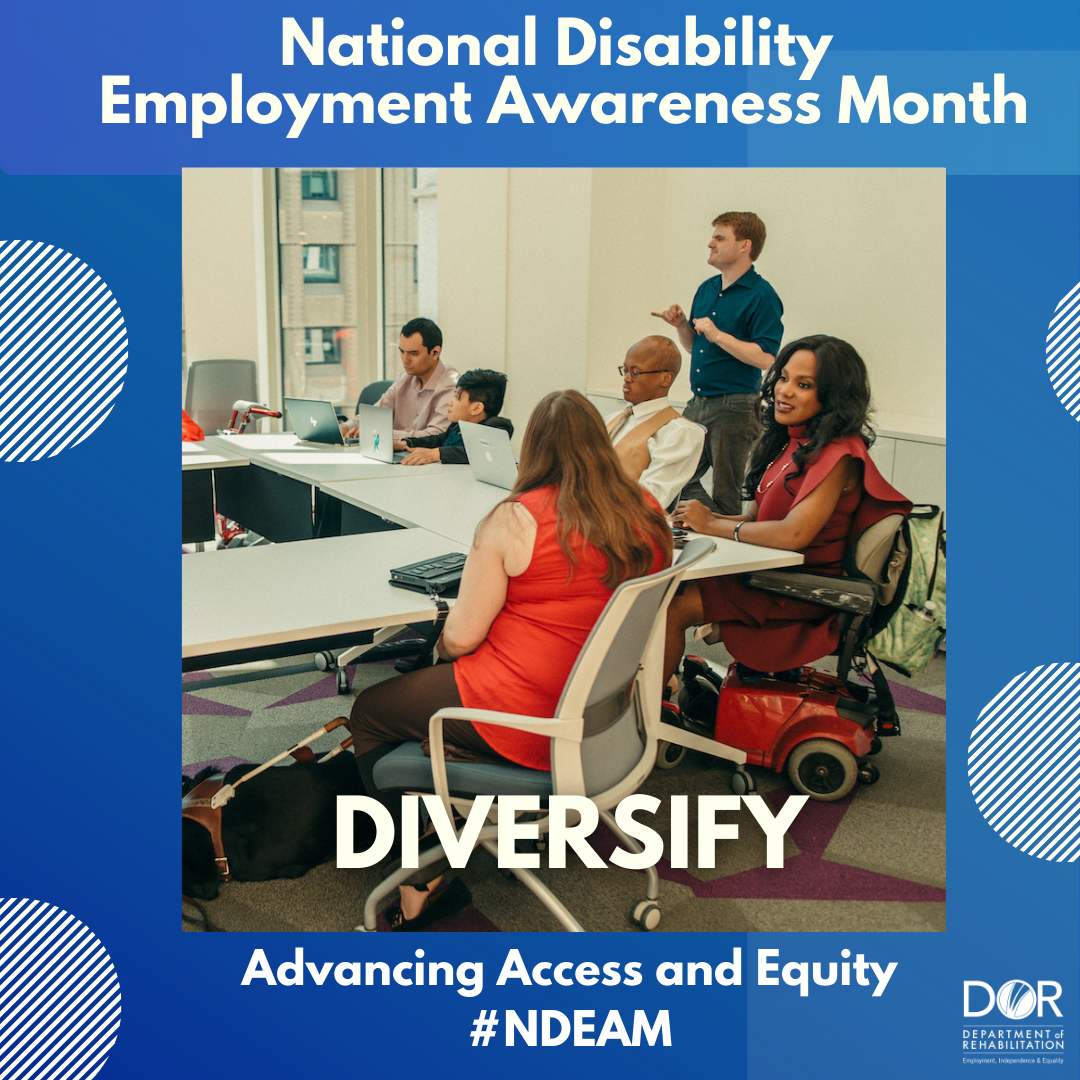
822 769
869 773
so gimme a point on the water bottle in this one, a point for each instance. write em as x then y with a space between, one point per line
928 612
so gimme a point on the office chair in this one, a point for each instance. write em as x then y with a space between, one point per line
603 737
213 386
373 391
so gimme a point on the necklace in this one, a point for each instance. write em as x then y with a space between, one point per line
761 490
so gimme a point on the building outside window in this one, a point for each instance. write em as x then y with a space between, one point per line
318 183
320 264
322 344
356 260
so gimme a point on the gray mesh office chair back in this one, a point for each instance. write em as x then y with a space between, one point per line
213 386
372 392
603 741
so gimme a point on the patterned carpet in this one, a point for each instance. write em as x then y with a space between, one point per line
875 860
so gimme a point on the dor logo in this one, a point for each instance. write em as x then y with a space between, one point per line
1015 999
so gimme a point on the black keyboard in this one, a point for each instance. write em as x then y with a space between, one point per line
441 574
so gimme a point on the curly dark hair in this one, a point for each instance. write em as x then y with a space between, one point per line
843 388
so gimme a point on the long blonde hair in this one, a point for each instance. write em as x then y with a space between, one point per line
566 446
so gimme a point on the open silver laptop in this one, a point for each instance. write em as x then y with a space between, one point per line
376 435
490 454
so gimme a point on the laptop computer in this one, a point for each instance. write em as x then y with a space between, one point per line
314 421
490 455
376 435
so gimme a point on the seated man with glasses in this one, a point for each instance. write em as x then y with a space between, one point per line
656 446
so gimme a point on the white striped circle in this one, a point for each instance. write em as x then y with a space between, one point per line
59 995
1063 351
1023 762
63 350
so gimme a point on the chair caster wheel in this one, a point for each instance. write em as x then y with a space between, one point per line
669 754
742 783
647 914
324 661
343 682
868 773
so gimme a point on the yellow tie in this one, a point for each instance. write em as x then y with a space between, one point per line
619 422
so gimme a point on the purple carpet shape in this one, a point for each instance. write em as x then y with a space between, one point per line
806 877
468 921
193 705
323 688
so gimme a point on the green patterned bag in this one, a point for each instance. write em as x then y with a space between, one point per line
911 638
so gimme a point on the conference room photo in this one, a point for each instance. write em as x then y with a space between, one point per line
563 549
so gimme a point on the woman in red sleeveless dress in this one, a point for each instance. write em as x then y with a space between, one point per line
814 489
541 568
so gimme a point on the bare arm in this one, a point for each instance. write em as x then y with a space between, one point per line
794 532
502 549
748 352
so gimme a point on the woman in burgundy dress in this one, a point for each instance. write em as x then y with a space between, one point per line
814 490
541 568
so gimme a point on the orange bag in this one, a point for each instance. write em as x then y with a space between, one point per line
191 432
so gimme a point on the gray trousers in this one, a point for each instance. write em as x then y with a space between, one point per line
732 423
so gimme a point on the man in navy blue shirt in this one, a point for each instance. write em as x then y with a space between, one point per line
733 333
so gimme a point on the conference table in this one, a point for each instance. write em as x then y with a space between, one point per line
243 603
280 495
453 505
200 463
328 591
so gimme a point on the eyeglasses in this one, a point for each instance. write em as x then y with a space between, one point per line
632 373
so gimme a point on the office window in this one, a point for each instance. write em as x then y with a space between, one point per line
356 260
320 264
318 183
400 225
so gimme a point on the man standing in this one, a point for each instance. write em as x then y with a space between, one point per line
733 334
656 446
422 393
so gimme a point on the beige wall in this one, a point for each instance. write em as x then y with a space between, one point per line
230 302
550 274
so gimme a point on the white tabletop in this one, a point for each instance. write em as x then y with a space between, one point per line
200 455
451 504
269 595
454 505
319 465
731 557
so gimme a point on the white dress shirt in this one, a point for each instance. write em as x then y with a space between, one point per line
674 450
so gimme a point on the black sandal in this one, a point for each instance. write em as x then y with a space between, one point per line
446 899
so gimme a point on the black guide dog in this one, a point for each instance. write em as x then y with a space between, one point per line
278 825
